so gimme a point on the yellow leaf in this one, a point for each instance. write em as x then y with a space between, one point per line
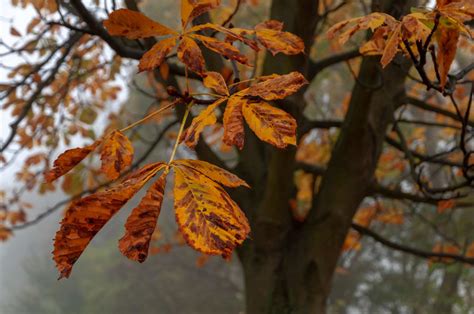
116 155
134 25
154 57
209 220
270 124
213 172
85 217
216 82
141 223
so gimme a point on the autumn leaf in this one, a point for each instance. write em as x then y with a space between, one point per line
154 57
391 48
209 220
271 36
278 87
270 124
141 223
223 48
190 54
213 172
234 123
191 9
205 118
216 82
68 160
85 217
116 155
134 25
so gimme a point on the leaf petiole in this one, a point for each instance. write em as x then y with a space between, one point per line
181 129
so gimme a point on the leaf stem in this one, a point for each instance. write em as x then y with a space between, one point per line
151 115
181 129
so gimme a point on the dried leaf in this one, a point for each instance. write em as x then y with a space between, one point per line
205 118
85 217
216 82
447 47
134 25
209 220
269 34
154 57
223 48
233 123
213 172
117 154
141 223
191 9
278 87
68 160
270 124
190 54
391 48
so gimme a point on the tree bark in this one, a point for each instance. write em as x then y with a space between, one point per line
288 266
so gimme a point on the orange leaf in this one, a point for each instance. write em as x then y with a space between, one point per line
117 154
233 123
232 34
223 48
191 9
216 82
447 47
278 87
154 57
134 25
269 34
141 223
68 160
190 54
85 217
270 124
213 172
209 220
205 118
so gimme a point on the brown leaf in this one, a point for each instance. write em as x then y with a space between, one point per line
134 25
213 172
85 217
278 87
205 118
117 154
154 57
223 48
209 220
68 160
233 123
142 222
270 124
190 54
216 82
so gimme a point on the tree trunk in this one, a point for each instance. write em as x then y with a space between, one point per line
288 267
